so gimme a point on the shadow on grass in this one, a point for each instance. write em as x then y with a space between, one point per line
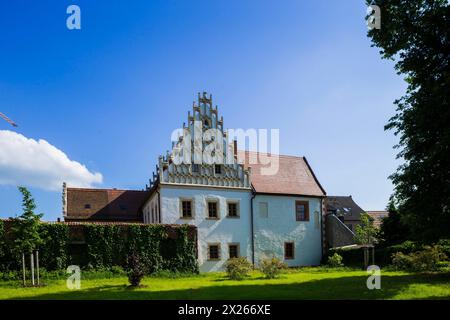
353 287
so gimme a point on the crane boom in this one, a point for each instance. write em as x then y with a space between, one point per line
8 120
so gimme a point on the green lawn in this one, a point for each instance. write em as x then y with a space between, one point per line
300 284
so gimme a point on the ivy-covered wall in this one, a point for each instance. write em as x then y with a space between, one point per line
100 246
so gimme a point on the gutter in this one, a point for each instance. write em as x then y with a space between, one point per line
159 205
252 226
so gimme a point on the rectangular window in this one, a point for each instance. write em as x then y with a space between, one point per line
233 250
87 206
218 169
186 208
263 210
212 210
289 250
301 211
233 210
195 168
213 252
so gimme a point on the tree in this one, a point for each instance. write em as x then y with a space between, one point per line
26 229
415 33
392 229
365 231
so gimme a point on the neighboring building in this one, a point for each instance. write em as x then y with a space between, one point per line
80 204
378 217
346 209
237 209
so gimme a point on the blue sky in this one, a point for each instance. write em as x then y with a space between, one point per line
109 95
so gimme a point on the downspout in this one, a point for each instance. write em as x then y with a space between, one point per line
322 225
159 205
252 226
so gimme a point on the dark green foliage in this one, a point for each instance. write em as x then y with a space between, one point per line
27 236
136 269
105 247
272 267
383 256
427 259
335 261
238 268
392 230
53 253
416 34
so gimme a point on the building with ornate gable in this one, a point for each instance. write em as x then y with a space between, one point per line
237 208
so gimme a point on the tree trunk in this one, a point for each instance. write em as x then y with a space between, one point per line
32 267
37 267
23 269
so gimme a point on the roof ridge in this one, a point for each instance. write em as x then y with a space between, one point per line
280 155
105 189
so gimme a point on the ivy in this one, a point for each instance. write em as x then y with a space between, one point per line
106 246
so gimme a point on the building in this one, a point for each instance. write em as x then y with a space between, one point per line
346 209
377 217
238 209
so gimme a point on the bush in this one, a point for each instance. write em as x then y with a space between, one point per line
335 261
428 259
238 268
135 269
272 267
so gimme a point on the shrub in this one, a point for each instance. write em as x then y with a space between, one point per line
135 269
428 259
238 268
272 267
335 261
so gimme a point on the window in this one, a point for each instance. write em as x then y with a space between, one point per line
301 211
195 168
87 206
213 252
218 169
122 207
289 250
206 123
233 210
263 210
233 250
212 210
186 208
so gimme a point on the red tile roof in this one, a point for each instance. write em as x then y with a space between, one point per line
294 175
105 204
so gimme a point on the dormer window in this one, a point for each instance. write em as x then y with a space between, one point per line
218 169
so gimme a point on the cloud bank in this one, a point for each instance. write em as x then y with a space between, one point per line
28 162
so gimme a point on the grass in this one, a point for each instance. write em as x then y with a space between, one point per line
308 283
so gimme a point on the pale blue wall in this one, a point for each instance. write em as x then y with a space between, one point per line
223 231
281 226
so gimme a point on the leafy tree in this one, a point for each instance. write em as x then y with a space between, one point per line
365 231
393 230
415 33
26 226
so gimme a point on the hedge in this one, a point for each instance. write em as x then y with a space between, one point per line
354 257
97 246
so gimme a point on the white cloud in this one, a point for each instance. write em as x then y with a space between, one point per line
28 162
